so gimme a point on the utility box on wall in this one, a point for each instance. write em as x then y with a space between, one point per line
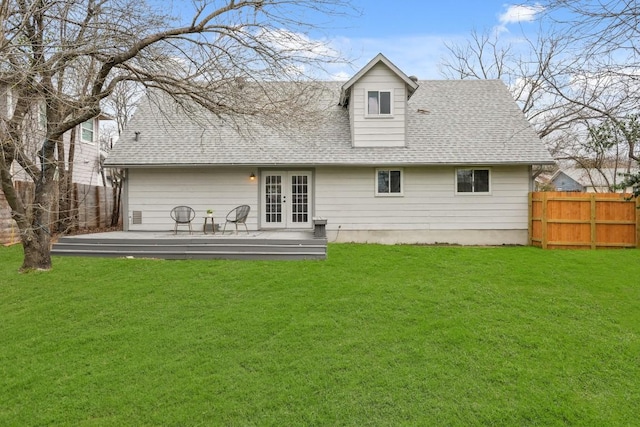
320 227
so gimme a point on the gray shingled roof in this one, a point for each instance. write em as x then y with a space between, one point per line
449 122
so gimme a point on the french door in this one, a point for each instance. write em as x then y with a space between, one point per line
286 199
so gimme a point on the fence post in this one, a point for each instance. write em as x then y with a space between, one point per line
593 220
638 222
530 225
75 207
544 220
97 207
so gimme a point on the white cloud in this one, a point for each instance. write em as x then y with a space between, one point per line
309 57
420 55
340 76
298 43
519 13
415 55
515 14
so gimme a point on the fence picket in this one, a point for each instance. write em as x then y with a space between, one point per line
94 209
583 220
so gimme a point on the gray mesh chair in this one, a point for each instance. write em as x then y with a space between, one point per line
238 216
182 215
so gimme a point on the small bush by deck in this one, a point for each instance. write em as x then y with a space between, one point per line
375 335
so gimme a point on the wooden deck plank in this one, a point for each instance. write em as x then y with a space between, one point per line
160 245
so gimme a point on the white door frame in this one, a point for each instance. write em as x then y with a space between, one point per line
286 199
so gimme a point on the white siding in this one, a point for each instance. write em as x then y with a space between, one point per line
86 162
383 131
5 99
87 156
429 211
346 198
32 136
155 192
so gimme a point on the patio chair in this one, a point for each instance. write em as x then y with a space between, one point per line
237 216
182 215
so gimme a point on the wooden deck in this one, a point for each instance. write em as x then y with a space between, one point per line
257 245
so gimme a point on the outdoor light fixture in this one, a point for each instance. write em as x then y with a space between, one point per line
252 177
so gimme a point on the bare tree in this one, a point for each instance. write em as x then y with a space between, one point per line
604 32
575 74
523 69
120 105
603 79
482 56
603 155
69 55
604 75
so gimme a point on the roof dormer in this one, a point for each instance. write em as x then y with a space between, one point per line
410 82
376 98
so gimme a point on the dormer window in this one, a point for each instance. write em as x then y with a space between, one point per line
379 103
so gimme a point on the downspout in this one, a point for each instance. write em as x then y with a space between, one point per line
533 176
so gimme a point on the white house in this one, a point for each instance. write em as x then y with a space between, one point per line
89 154
87 168
87 159
393 160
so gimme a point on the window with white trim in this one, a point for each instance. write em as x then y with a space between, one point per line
42 117
389 182
9 112
87 131
379 103
473 181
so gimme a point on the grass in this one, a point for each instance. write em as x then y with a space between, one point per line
375 335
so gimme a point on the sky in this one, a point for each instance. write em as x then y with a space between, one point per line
412 33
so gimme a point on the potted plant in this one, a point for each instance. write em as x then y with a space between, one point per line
209 212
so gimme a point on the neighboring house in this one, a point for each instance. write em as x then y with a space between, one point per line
561 181
87 167
87 170
542 182
590 180
88 158
394 160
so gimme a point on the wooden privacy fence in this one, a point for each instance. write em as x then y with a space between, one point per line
94 205
563 220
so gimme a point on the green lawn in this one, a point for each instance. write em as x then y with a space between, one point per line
375 335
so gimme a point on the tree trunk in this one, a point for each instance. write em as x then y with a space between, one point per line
36 246
64 201
36 240
117 181
117 196
67 219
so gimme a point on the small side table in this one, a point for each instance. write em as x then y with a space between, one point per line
213 224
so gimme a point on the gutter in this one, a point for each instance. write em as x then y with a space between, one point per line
289 165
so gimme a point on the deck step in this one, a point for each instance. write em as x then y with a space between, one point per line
193 248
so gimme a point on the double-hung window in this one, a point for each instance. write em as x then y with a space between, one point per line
379 103
87 131
42 117
473 181
389 182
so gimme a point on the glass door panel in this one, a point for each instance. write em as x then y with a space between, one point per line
286 199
